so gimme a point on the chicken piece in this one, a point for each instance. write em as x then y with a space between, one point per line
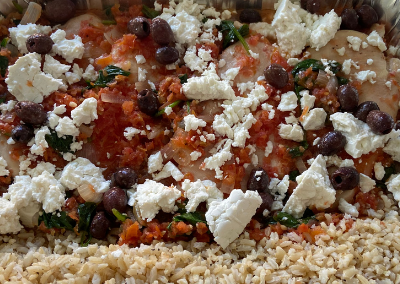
386 98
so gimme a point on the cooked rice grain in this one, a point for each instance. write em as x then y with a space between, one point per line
367 253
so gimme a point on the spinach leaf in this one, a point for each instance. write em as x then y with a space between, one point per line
289 221
108 22
388 172
149 13
234 35
188 106
315 65
192 218
4 42
183 78
299 150
3 65
60 144
342 80
119 215
86 213
174 104
107 76
204 20
58 220
18 7
293 175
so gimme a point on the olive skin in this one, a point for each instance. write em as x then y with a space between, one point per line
367 16
249 16
380 122
39 43
125 178
331 143
349 19
258 180
364 109
267 200
161 32
60 11
348 97
276 76
139 26
314 6
22 133
115 198
167 55
147 102
345 178
99 226
397 126
30 112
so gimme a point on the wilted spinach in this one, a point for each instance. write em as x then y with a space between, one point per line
57 220
60 144
86 213
231 34
193 218
107 75
149 13
298 151
3 65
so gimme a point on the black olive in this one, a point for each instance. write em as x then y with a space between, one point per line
115 198
397 126
147 102
39 43
249 16
267 200
60 11
125 178
22 133
258 180
276 76
348 97
303 4
367 16
331 143
364 108
99 226
345 178
380 122
139 26
161 32
314 6
349 19
167 55
30 112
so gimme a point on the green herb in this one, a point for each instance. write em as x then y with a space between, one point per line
191 218
299 150
111 72
204 20
293 175
86 213
60 144
149 13
58 220
183 78
342 80
18 7
388 172
109 22
174 104
4 42
3 65
234 35
188 106
315 65
2 100
108 12
289 221
119 216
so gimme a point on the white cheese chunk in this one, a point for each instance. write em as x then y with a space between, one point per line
228 218
75 76
193 123
216 161
324 29
168 170
313 189
347 208
54 67
354 42
393 185
47 190
379 171
9 218
20 34
307 100
268 148
200 191
152 197
366 75
66 127
291 132
3 167
366 183
130 132
155 162
140 59
263 28
314 119
85 113
375 39
8 106
393 147
195 155
341 51
70 49
185 27
90 73
288 101
40 143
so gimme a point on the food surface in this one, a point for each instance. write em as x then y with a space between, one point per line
184 144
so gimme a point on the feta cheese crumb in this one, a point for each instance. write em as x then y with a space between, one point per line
195 155
85 113
228 218
268 149
354 42
54 67
140 59
393 185
288 101
218 159
366 75
291 132
341 51
192 122
366 183
155 162
90 73
325 29
130 132
379 171
370 61
9 218
375 39
388 84
347 208
69 49
169 170
168 110
3 167
200 191
314 119
40 143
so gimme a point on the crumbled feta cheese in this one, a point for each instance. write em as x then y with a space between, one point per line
192 122
393 50
20 34
197 62
313 189
314 119
364 45
324 29
54 67
291 132
85 113
157 6
375 39
288 101
48 190
293 61
360 139
75 76
130 132
366 75
200 191
66 127
208 87
354 42
141 74
268 149
366 183
168 110
69 49
185 27
263 28
388 84
155 162
27 82
152 197
210 137
379 171
370 61
216 161
393 147
393 185
140 59
9 218
341 51
347 208
169 170
90 73
307 100
40 143
81 171
195 155
228 218
3 167
8 106
230 74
